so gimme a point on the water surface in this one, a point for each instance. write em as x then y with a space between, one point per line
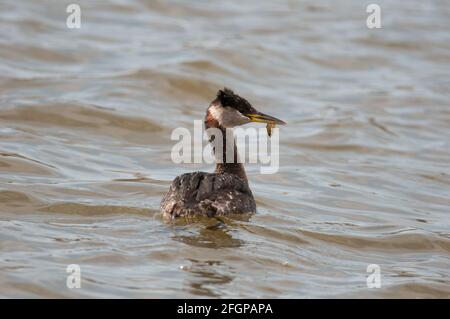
85 122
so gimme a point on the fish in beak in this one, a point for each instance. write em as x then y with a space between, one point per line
264 118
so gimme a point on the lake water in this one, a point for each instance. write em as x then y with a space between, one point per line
85 122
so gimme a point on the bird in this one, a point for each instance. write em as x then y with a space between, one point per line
226 191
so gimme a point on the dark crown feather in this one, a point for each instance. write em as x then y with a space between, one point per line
228 98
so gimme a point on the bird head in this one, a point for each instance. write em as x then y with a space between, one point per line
230 110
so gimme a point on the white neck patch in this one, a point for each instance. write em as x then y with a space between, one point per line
227 116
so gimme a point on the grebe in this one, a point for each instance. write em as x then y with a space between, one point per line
226 191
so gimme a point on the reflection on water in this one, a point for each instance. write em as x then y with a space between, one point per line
85 123
213 236
206 274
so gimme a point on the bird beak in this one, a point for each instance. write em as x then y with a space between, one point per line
264 118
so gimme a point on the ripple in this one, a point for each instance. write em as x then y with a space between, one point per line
92 210
402 242
86 117
77 116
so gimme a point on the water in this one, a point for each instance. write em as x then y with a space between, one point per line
85 122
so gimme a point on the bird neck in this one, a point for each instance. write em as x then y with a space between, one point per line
231 166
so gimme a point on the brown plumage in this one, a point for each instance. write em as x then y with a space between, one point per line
226 191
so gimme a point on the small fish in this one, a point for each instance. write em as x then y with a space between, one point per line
269 128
